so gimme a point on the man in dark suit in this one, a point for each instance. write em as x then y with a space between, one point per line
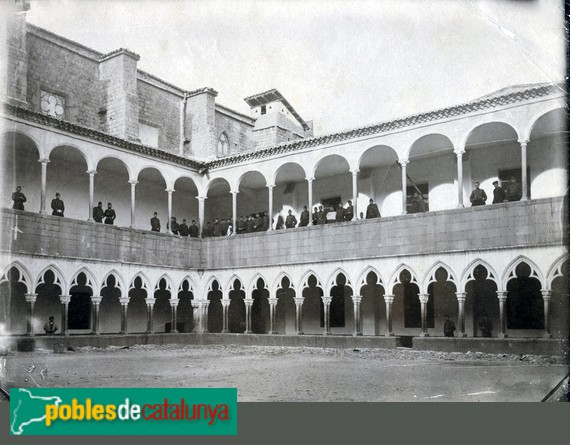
155 223
372 210
98 213
349 212
110 214
183 229
194 230
315 216
499 194
304 220
57 206
478 196
19 199
290 221
340 213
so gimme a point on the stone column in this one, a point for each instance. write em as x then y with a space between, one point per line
356 299
64 299
91 174
173 307
502 314
248 302
310 201
389 299
133 187
424 301
44 163
95 302
30 301
327 306
461 317
546 296
270 188
403 164
196 316
225 319
272 306
201 200
149 314
299 315
459 156
204 311
124 305
234 212
170 192
524 179
355 194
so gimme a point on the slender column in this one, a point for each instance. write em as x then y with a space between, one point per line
356 299
234 212
310 202
133 187
327 305
502 314
30 301
389 299
424 300
403 164
272 306
169 191
461 317
204 311
91 174
546 296
95 302
201 200
197 316
355 194
299 315
124 305
44 163
270 188
459 156
173 321
524 178
248 302
225 309
149 314
64 299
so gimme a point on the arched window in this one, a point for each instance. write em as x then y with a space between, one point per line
223 145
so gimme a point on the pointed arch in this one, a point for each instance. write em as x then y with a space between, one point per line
278 283
25 276
361 281
58 278
90 278
169 283
191 284
303 282
253 284
510 270
210 282
468 274
145 282
555 270
395 278
332 281
119 283
230 283
429 277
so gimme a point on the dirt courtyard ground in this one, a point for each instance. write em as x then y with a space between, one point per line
296 374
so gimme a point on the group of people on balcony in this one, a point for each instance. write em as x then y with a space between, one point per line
513 192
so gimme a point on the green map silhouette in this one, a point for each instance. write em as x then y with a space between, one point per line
28 408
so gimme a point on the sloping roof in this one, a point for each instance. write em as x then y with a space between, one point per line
272 96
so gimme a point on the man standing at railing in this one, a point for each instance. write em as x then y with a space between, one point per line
57 206
291 221
19 199
372 210
478 196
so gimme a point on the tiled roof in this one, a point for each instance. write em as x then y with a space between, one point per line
482 104
272 96
99 136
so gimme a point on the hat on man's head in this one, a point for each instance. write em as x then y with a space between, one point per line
495 182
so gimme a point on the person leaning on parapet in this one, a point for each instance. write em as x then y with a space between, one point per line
109 214
241 225
478 196
290 221
217 228
349 212
194 230
514 190
57 205
208 231
172 226
418 203
183 229
304 219
155 223
98 213
322 215
50 327
280 222
19 199
224 224
448 327
372 210
315 216
499 194
339 212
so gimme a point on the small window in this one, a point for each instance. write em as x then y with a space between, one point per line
263 109
148 135
223 145
52 104
414 205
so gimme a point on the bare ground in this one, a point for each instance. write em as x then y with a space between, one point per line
296 374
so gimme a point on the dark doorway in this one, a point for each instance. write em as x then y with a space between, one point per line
525 306
79 312
215 309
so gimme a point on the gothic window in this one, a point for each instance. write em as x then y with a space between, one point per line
52 104
223 145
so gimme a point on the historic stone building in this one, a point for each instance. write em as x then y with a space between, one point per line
94 127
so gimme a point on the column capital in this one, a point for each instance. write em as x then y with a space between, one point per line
299 300
424 298
403 162
459 153
272 300
174 302
234 192
124 301
502 296
461 296
96 299
355 172
523 142
356 298
248 301
201 198
546 294
388 298
225 302
43 161
133 183
169 191
310 179
270 186
30 298
326 300
150 301
65 299
91 172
